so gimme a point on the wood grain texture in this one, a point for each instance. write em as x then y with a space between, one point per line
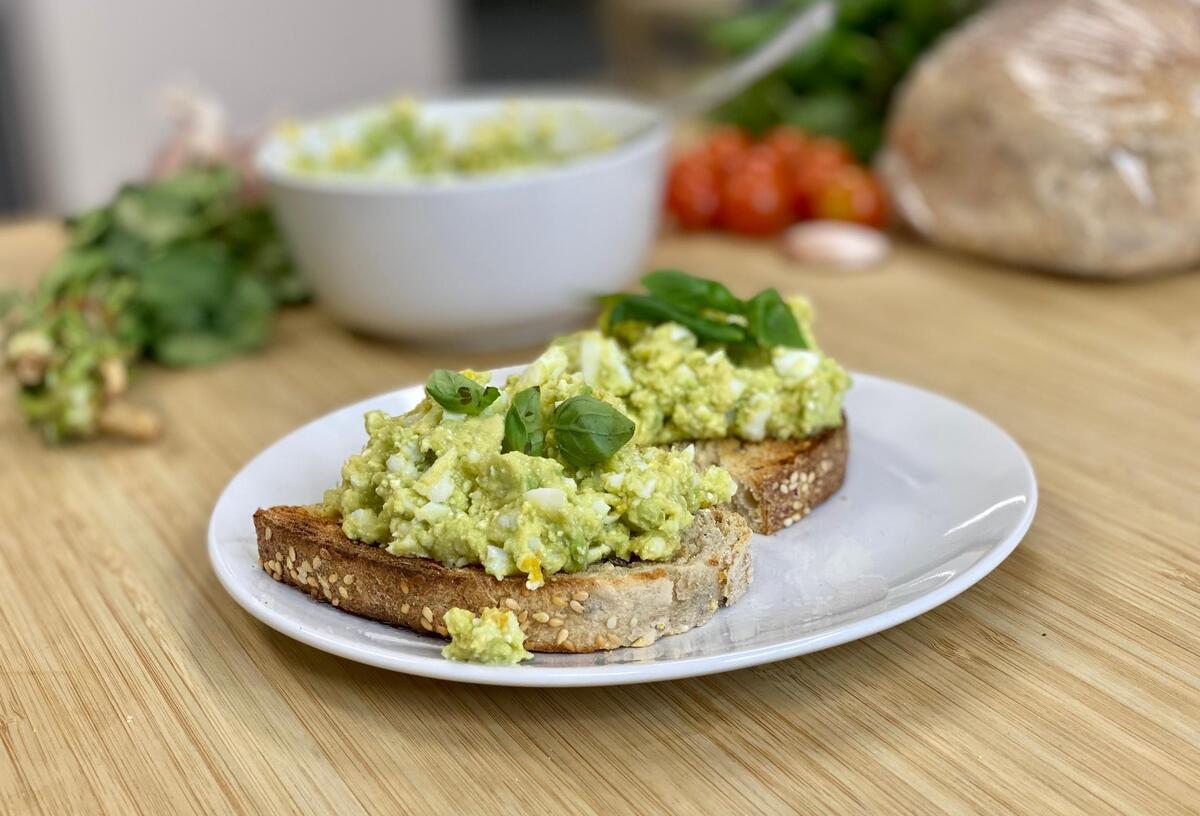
1068 681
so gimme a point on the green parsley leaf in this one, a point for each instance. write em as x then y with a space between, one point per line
86 229
180 270
185 277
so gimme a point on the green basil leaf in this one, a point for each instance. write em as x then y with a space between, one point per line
459 394
490 395
524 430
689 292
587 431
772 322
653 310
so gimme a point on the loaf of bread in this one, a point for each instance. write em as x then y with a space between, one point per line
1059 134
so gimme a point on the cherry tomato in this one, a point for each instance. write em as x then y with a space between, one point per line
725 147
693 192
821 160
788 142
853 194
828 147
755 198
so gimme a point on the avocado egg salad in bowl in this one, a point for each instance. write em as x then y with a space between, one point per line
399 140
602 497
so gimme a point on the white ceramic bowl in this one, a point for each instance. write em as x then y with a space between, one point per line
492 260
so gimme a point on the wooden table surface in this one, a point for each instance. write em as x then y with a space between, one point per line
1068 681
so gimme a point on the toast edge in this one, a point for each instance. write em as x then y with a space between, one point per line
603 609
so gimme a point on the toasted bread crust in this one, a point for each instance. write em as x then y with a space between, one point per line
780 481
607 606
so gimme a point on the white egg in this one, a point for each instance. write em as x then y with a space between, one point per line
647 490
589 358
432 512
497 561
678 333
547 499
795 364
362 517
755 427
443 489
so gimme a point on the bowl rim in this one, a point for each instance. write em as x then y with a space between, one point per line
652 138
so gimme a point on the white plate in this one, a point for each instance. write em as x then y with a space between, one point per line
935 498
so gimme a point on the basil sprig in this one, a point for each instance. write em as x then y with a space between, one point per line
460 394
587 431
710 311
689 292
524 430
654 310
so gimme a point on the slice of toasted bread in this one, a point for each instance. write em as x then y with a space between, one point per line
604 607
780 481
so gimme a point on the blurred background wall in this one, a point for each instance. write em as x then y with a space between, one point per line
82 99
82 81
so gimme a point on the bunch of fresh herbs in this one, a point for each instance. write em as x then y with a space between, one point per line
841 84
182 271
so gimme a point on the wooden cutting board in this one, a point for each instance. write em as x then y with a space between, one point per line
1068 681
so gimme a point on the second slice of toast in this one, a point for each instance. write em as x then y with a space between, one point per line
780 481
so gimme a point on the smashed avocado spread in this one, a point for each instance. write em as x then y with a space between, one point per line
492 636
678 388
437 484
